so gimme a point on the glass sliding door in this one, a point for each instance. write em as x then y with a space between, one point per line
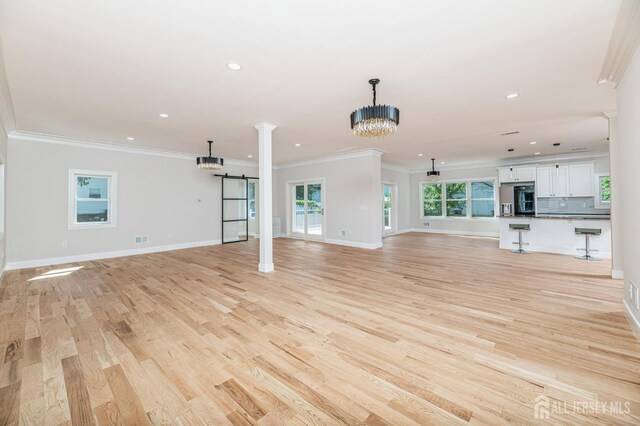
307 210
388 209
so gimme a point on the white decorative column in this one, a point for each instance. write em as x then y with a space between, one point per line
617 261
265 199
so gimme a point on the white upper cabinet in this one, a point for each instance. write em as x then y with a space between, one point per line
565 181
544 182
517 174
581 177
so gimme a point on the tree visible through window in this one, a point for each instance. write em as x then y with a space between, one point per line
605 190
432 199
456 199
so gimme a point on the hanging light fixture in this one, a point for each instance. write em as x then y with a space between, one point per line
375 121
210 163
433 174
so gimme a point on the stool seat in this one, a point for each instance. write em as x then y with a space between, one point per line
523 226
588 231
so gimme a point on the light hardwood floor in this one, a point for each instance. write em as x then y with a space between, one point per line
430 329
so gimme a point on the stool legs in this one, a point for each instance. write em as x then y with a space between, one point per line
587 250
520 250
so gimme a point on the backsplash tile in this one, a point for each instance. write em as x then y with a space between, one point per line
569 205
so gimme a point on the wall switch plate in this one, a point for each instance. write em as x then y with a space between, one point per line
63 244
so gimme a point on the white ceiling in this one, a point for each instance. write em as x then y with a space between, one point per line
103 70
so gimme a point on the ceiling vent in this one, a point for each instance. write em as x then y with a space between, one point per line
141 239
578 149
510 133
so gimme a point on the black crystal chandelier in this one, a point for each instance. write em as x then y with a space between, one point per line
210 163
433 174
375 121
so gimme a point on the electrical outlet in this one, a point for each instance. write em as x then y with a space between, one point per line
425 223
140 239
343 232
63 244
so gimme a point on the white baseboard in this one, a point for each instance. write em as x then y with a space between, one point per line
635 321
454 232
34 263
617 274
369 246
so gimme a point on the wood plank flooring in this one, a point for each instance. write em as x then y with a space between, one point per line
431 329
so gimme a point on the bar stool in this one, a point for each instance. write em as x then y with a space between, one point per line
520 227
587 232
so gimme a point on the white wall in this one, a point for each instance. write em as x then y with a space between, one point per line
353 196
166 198
403 202
3 199
628 157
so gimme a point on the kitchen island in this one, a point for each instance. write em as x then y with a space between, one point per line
556 234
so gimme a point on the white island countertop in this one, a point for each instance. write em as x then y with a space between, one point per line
556 234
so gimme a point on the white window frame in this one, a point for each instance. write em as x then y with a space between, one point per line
112 200
598 203
468 217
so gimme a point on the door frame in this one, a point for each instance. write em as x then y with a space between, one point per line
394 207
306 181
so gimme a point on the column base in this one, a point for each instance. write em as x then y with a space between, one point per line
265 267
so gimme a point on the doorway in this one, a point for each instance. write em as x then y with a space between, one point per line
306 210
389 208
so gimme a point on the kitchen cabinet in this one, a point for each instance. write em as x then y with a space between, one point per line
574 180
581 177
517 174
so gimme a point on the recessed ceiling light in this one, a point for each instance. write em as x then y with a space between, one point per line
602 81
297 144
163 115
536 153
233 66
533 143
250 156
442 162
131 139
420 155
512 95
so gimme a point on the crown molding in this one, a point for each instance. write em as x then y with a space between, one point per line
80 143
7 115
396 167
624 42
522 161
609 114
355 154
263 125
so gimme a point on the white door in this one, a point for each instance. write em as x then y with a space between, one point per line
581 180
389 220
307 210
544 184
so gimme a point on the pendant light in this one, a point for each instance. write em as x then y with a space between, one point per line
210 163
433 174
375 121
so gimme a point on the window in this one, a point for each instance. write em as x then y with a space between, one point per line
468 199
604 191
91 199
432 199
456 193
252 200
482 199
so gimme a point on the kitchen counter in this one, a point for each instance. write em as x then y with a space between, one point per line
563 216
556 234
